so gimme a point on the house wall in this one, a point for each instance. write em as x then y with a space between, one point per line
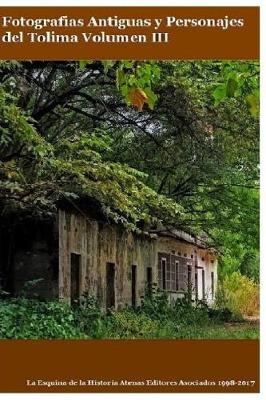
97 244
188 254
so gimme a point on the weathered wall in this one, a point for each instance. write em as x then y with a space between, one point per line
98 244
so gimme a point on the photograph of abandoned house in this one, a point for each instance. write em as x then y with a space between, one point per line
129 199
79 256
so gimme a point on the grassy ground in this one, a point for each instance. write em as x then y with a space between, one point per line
244 330
126 325
214 331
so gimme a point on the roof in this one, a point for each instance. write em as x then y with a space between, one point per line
183 236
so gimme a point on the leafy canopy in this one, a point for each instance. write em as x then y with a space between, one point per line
173 143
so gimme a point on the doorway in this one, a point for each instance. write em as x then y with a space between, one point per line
110 285
149 280
75 277
133 285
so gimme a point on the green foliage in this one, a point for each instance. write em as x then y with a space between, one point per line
31 319
189 160
156 304
239 294
127 324
223 314
88 317
17 132
253 103
182 311
230 331
239 79
119 190
134 77
75 167
138 75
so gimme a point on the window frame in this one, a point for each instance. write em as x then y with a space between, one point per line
177 286
162 273
203 283
172 273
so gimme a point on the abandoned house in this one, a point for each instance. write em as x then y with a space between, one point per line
78 255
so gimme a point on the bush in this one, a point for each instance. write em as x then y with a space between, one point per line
129 324
189 314
155 304
32 319
239 294
221 314
89 316
182 311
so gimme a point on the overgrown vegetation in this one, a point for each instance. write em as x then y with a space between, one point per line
150 143
23 318
240 294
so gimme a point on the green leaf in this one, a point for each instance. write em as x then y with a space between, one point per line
219 94
231 87
120 78
152 98
107 65
84 63
253 103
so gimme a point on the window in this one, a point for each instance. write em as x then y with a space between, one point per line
203 283
162 273
176 275
170 274
212 284
196 286
168 277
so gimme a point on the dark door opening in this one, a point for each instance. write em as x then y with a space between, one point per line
133 285
75 277
149 280
110 285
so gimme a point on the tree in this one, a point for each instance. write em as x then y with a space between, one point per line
153 143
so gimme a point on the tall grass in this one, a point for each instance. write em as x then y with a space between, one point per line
239 294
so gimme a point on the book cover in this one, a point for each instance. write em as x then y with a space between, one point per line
129 199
